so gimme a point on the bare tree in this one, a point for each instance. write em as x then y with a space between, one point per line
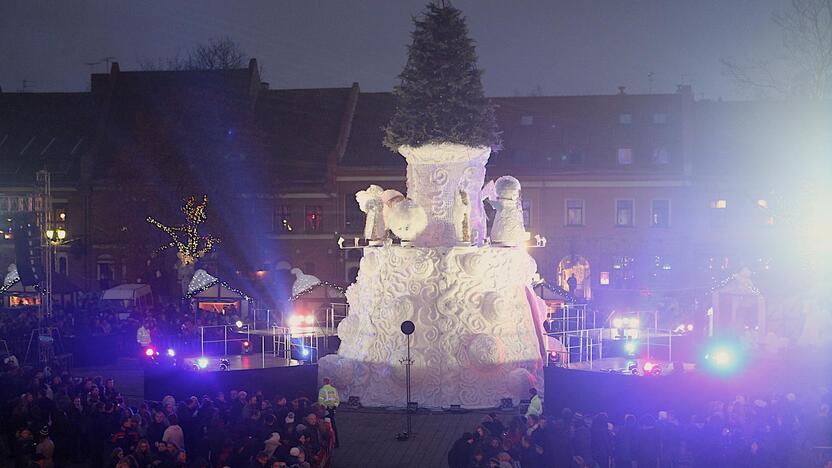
217 54
807 37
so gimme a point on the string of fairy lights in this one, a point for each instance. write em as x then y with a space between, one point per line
309 289
189 244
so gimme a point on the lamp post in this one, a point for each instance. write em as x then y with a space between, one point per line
55 237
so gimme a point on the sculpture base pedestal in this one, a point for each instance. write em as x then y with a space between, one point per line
475 340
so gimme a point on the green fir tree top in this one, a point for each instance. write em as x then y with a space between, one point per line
440 98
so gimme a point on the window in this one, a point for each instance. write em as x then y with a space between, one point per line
660 213
527 120
719 212
282 219
662 268
527 213
719 204
574 212
624 213
105 274
660 118
353 216
625 119
661 156
623 270
625 156
312 220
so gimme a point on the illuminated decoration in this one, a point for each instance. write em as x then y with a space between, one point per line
201 281
303 282
303 292
12 277
477 335
605 278
149 352
189 244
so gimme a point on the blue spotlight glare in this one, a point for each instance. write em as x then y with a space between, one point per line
723 358
202 362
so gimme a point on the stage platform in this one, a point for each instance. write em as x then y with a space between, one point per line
298 331
254 372
238 363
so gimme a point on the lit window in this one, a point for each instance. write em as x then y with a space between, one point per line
624 213
720 204
623 270
625 119
282 220
660 118
605 278
526 120
574 212
625 156
312 220
660 213
762 203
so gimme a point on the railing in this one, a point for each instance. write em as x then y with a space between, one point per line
335 312
245 329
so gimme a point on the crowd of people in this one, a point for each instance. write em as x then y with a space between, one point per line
778 432
57 420
174 325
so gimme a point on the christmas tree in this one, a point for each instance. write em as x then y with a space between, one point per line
440 98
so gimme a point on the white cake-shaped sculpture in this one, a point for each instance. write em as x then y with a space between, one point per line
476 339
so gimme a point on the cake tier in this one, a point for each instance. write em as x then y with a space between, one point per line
475 340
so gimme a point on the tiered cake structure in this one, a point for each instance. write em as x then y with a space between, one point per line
476 339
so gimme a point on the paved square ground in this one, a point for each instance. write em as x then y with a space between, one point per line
367 438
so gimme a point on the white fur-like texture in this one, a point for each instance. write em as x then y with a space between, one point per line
475 339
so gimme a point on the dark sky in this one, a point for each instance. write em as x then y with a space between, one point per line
565 47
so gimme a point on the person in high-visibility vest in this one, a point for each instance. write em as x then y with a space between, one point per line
535 404
328 399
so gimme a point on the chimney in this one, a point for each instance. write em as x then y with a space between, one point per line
621 90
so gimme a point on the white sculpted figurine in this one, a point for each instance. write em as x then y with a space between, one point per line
462 216
370 202
407 219
508 228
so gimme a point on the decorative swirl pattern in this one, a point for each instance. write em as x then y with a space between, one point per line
474 330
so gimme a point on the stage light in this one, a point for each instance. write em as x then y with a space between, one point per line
239 323
171 352
723 358
304 352
149 352
617 322
295 320
202 362
631 347
309 319
632 366
225 364
690 327
652 368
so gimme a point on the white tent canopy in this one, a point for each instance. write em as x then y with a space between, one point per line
126 292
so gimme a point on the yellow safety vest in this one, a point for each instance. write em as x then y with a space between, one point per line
328 397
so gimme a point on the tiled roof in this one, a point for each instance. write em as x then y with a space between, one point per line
553 133
44 131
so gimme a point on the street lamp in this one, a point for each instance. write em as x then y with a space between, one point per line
56 236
